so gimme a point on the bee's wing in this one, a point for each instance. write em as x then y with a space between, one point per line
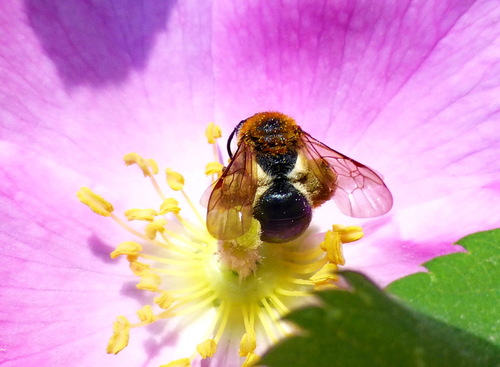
357 190
230 206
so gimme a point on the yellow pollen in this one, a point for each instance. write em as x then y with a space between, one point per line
154 227
326 277
214 168
152 165
165 300
183 362
169 205
251 360
119 340
141 214
137 267
149 281
248 343
148 166
146 315
175 180
332 246
95 202
207 349
251 239
348 233
128 248
213 132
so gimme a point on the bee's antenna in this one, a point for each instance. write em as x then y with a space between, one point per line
230 139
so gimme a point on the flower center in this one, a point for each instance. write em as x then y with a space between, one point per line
248 284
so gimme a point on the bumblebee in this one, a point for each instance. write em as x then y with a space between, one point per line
279 173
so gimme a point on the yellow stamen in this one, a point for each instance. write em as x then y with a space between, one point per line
149 282
292 293
146 315
141 214
244 281
273 315
188 310
348 233
207 349
175 180
213 132
195 211
148 166
223 316
214 168
251 360
154 227
128 248
279 305
183 362
268 327
134 158
165 300
126 227
152 165
137 267
95 202
251 239
326 274
248 343
119 340
332 246
169 205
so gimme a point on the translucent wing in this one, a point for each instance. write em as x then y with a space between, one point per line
229 210
357 190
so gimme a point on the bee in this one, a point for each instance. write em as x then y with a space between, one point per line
279 173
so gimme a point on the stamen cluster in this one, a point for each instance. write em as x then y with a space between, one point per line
190 274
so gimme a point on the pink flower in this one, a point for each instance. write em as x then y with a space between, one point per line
409 89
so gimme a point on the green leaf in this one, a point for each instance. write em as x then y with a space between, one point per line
367 327
461 289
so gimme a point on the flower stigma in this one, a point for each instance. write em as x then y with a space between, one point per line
245 286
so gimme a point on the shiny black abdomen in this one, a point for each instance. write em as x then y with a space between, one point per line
283 212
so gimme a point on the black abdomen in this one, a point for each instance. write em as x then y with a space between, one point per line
283 212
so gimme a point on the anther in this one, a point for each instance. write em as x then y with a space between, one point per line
251 360
248 343
348 233
128 248
326 275
149 282
333 247
152 165
154 227
207 349
169 205
95 202
119 340
148 166
137 267
174 180
213 132
165 300
146 315
213 168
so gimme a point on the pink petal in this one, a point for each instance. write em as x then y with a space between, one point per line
82 84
